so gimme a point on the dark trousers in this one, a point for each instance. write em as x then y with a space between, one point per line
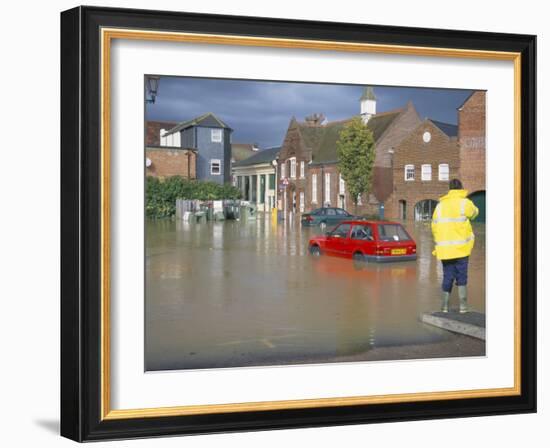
454 270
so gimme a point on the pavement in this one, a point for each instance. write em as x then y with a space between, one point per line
470 324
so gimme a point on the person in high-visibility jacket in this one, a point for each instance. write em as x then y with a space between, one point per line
454 241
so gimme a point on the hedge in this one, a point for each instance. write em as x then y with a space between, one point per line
161 194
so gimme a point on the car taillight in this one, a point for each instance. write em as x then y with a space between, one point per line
382 251
414 250
308 218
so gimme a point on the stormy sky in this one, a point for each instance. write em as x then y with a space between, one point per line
260 111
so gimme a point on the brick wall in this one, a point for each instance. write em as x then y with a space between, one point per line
368 205
152 131
471 139
396 132
171 162
414 151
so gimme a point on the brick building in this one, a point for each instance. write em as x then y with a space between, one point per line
164 162
307 166
154 129
422 165
472 141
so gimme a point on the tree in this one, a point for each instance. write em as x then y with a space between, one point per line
356 153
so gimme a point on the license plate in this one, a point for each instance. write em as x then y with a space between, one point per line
398 251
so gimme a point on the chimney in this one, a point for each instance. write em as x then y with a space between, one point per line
316 119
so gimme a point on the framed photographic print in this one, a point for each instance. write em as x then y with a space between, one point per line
274 223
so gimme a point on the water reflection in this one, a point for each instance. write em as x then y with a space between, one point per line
234 294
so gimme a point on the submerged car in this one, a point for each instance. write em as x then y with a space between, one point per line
326 217
379 241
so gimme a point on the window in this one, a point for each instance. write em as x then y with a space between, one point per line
341 231
330 212
293 168
302 201
283 170
215 167
392 232
327 188
314 188
409 172
216 135
342 185
359 199
272 181
302 169
443 171
177 139
341 212
362 232
426 172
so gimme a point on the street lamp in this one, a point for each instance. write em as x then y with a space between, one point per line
151 86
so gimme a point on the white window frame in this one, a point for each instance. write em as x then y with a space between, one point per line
292 167
212 163
302 201
406 172
342 185
327 188
302 169
216 135
426 172
314 188
283 170
441 174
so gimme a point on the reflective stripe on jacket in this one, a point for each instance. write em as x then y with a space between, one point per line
451 226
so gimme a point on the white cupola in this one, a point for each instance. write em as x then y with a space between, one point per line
368 104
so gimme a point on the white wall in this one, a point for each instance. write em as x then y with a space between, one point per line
29 325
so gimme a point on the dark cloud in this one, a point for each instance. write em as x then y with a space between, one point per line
259 111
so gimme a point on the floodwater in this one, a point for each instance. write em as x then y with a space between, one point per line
229 294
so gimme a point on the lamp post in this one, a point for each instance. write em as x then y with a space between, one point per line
151 88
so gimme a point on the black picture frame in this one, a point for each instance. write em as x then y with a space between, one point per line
81 224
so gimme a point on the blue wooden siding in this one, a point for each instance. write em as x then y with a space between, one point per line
208 150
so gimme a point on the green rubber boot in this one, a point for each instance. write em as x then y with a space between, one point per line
463 299
445 302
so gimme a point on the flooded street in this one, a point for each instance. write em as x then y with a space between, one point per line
227 294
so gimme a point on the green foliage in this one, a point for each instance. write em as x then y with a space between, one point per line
356 155
161 194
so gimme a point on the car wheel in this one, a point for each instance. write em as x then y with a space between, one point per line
315 251
323 225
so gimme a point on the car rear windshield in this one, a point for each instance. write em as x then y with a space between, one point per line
392 232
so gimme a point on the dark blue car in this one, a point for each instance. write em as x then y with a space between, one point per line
326 216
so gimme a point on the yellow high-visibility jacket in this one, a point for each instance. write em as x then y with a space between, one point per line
451 228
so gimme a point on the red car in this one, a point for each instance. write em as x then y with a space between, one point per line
366 241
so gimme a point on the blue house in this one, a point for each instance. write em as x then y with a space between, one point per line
210 137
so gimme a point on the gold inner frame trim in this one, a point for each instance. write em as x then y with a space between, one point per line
107 35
